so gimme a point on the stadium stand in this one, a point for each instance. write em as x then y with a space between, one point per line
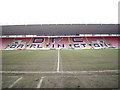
59 36
60 43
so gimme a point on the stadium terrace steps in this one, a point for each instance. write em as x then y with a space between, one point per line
59 43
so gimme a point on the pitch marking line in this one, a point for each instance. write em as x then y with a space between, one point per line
15 82
61 63
10 76
58 62
100 71
40 83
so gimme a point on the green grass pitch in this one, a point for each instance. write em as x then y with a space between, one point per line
69 60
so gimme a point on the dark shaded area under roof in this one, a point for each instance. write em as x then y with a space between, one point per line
60 29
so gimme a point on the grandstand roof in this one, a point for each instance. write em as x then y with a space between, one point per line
59 29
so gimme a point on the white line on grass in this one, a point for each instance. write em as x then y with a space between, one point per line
11 76
40 83
61 64
99 71
58 62
15 82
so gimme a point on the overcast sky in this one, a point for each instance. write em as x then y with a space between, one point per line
15 12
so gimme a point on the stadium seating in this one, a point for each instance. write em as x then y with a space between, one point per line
59 42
